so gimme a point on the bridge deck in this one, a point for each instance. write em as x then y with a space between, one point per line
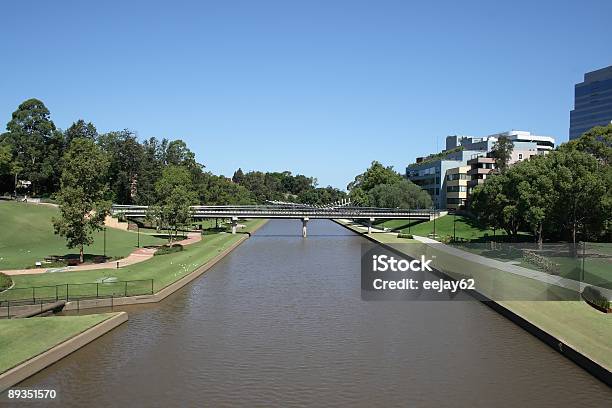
277 211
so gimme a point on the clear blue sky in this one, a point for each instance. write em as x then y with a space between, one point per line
317 87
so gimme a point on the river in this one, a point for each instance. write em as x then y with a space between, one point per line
280 322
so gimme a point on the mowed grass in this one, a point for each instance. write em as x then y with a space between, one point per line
164 270
466 228
23 339
26 236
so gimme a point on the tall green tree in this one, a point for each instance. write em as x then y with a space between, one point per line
175 192
402 194
80 129
238 176
502 153
35 144
376 174
81 198
126 158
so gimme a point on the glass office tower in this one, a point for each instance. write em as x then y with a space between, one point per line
592 102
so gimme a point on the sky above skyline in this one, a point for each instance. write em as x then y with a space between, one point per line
320 88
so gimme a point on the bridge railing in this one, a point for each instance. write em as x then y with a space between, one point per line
224 210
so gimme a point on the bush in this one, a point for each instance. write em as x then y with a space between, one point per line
5 281
169 249
407 236
595 297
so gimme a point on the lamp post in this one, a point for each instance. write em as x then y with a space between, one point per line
104 242
409 222
583 258
138 229
454 226
434 223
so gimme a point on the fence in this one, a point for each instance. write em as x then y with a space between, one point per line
73 291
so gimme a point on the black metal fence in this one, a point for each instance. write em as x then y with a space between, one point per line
73 292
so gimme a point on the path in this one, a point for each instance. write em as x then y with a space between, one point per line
138 255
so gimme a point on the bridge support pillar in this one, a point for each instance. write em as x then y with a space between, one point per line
370 221
234 224
304 227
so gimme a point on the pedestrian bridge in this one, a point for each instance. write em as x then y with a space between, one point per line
288 211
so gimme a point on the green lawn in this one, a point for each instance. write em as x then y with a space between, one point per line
164 270
466 228
23 339
26 236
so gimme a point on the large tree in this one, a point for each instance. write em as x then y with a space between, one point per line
36 144
502 153
403 194
81 197
376 174
126 158
80 129
175 192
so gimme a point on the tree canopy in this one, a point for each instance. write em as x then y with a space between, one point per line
81 196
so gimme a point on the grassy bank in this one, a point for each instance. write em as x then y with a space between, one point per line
26 236
164 270
23 339
465 227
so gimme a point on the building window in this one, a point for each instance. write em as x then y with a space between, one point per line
520 156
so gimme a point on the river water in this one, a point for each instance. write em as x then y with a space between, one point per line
280 322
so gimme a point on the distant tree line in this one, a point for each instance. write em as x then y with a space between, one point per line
32 149
563 195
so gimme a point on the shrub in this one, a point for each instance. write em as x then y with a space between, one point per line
169 249
407 236
595 297
5 281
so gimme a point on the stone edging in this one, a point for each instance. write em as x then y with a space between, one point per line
59 351
570 352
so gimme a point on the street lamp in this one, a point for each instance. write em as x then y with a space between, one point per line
434 224
138 229
583 259
454 226
104 242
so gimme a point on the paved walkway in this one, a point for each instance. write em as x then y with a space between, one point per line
138 255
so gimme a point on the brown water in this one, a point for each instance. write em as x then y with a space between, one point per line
280 322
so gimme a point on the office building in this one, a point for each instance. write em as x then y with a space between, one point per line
456 186
468 159
592 102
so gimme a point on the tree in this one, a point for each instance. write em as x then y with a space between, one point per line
579 181
403 194
502 153
376 174
176 194
80 129
126 158
218 190
596 142
321 196
6 160
149 171
496 203
536 194
81 197
33 139
238 176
